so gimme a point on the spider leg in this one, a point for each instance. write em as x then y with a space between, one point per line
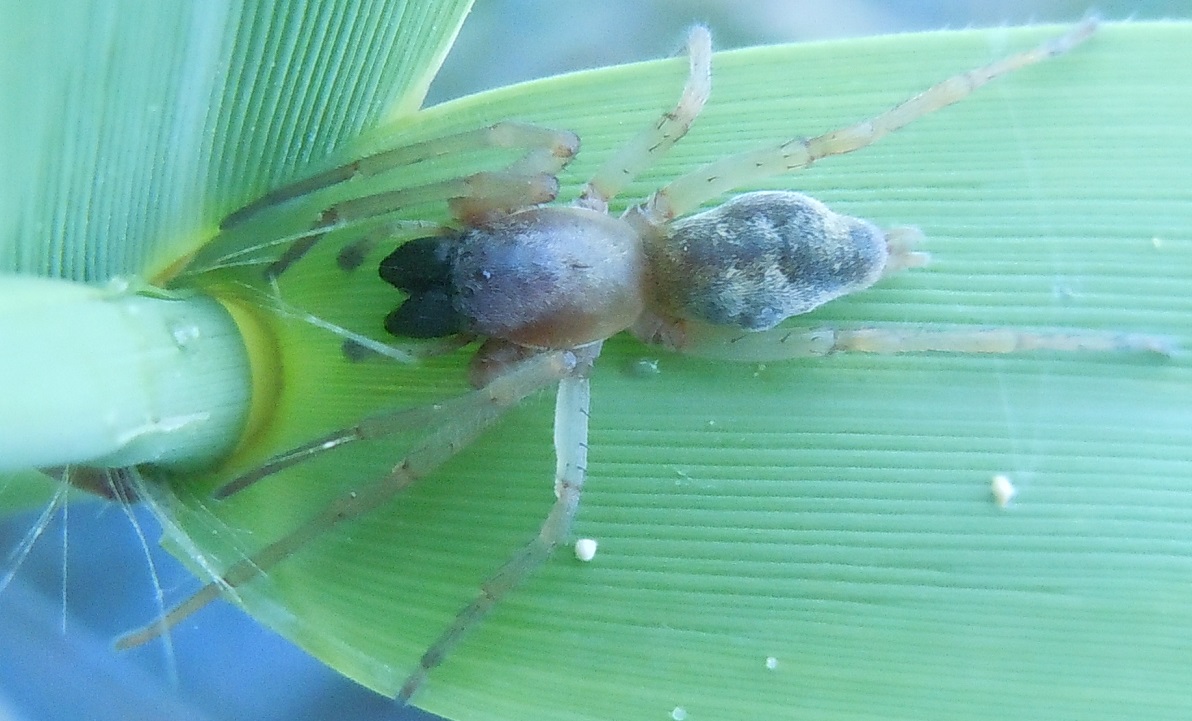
548 152
902 243
640 152
571 458
709 181
472 196
242 247
734 344
378 425
460 421
528 180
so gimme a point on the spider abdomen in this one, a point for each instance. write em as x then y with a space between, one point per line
763 257
549 277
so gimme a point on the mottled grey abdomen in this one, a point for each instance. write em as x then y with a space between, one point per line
763 257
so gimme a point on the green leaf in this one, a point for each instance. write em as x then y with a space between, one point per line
25 490
814 538
131 126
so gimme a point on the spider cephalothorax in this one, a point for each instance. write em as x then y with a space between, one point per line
512 279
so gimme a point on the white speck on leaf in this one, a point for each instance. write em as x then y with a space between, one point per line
585 549
1003 489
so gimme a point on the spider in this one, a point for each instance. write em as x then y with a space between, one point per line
542 286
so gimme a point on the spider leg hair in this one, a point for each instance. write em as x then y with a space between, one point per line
571 455
460 421
689 191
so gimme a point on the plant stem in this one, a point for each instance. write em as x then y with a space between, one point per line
108 377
